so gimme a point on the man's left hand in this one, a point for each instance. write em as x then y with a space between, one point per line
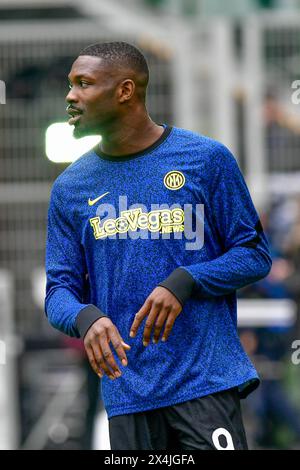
161 307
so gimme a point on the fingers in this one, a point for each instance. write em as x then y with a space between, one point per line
119 346
155 309
97 344
101 360
108 356
169 325
139 317
93 362
159 325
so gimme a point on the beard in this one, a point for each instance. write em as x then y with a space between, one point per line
80 131
96 126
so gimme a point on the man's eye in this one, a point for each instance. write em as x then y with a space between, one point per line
81 84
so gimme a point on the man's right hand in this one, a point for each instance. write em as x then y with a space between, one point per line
96 343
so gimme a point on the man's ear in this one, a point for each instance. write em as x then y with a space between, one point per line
126 90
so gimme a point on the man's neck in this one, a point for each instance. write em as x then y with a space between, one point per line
131 136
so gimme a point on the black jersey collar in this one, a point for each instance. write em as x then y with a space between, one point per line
131 156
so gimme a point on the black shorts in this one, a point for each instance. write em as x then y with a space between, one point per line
210 422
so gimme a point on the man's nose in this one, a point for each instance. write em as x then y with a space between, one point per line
71 97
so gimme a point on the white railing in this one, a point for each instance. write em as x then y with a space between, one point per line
9 422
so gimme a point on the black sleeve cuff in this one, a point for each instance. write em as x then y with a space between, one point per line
86 317
180 283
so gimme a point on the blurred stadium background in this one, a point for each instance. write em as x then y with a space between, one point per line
224 69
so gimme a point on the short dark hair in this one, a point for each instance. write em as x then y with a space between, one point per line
119 53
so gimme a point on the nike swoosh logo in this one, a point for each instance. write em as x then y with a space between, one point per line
92 202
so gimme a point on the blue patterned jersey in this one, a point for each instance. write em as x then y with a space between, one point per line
177 214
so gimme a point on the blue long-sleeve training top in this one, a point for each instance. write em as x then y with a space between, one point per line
179 215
